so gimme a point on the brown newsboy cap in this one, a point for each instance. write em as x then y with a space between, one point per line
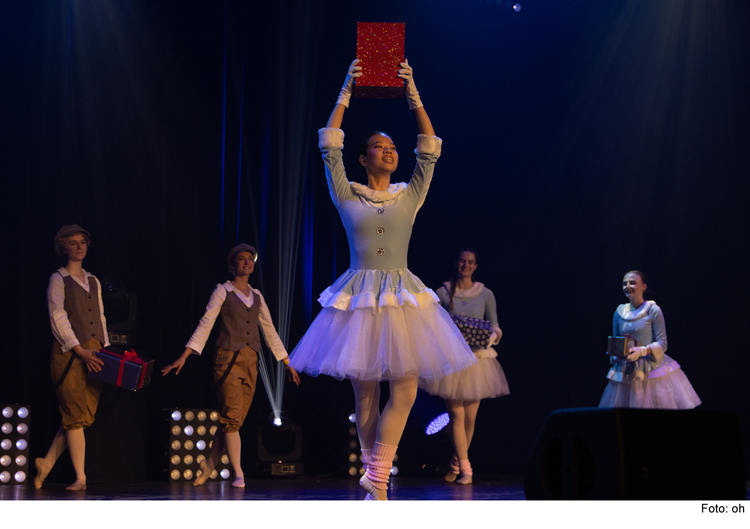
68 231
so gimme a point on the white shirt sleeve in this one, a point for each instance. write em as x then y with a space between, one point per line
198 341
269 331
58 318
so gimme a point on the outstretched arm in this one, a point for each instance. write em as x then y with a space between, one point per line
415 103
337 116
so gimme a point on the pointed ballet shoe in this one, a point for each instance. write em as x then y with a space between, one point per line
205 474
239 483
450 477
466 479
40 474
373 493
453 470
77 486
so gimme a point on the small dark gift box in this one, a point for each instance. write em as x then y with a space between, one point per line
380 50
619 345
124 369
476 332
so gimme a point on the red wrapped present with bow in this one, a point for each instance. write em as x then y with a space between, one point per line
380 50
125 369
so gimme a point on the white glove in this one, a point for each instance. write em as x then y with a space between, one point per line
412 96
637 352
348 88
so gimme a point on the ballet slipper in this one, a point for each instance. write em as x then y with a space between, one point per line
205 474
373 493
239 483
77 486
453 471
41 475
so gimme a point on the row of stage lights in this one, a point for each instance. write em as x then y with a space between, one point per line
191 434
354 453
14 445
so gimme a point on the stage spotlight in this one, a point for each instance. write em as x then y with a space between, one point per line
188 438
224 473
280 446
14 447
437 424
516 7
353 461
352 418
394 470
4 476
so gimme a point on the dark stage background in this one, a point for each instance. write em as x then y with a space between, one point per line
581 139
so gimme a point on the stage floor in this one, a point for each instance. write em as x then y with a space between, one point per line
284 488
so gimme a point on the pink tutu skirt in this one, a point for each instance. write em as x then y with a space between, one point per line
484 380
666 387
381 325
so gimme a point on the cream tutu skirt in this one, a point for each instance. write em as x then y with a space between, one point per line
381 325
484 380
664 387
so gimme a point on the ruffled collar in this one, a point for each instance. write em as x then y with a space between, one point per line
471 292
392 192
632 315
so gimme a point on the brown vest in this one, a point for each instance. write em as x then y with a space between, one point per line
239 324
83 310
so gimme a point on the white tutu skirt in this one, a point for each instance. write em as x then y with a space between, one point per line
381 325
484 380
666 387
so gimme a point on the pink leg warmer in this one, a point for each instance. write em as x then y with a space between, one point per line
379 467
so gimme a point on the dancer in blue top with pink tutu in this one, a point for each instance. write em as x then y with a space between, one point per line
379 321
647 377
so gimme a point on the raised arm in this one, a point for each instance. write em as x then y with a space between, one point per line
337 116
415 103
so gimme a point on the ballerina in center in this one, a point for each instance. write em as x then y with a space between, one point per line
379 321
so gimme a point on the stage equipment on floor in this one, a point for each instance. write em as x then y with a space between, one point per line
280 446
353 463
14 445
191 434
353 453
636 454
437 424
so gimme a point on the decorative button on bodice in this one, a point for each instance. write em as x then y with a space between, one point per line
380 230
381 211
380 251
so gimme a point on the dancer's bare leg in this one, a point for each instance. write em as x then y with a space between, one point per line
367 411
77 446
234 450
45 464
207 466
457 414
396 411
471 407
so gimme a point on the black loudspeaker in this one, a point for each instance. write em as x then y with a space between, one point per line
635 454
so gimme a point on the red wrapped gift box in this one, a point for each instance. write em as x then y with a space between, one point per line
380 50
124 369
